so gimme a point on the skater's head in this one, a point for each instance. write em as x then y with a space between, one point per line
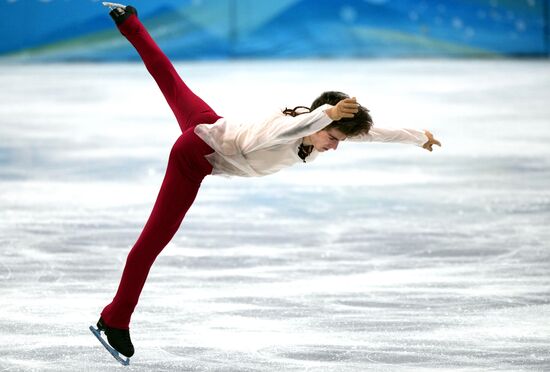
329 137
326 139
337 131
330 97
360 123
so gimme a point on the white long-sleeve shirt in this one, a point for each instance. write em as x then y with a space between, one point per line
259 149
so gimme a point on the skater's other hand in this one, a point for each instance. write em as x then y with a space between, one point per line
346 108
431 141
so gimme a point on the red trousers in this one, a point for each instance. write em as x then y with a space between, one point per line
186 169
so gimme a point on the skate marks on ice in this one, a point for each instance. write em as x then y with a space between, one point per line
375 257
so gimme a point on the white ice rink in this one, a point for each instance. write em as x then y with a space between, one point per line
376 257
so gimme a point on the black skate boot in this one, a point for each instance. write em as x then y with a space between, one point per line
119 13
119 339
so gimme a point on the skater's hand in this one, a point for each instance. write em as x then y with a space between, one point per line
346 108
431 141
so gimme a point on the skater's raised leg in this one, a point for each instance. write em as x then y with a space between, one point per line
188 108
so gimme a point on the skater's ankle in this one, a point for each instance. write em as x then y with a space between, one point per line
112 325
130 26
121 15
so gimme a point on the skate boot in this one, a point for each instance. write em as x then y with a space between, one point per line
119 13
119 339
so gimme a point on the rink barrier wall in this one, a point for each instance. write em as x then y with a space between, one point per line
215 29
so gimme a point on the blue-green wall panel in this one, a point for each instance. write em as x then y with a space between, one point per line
59 30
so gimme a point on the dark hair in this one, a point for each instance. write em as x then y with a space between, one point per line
359 124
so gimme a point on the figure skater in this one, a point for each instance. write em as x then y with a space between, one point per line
211 144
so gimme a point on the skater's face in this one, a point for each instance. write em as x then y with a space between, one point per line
327 139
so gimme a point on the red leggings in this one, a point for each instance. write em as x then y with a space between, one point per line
186 168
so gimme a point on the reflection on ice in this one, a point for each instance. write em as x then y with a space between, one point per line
375 257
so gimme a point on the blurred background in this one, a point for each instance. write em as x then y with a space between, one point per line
64 30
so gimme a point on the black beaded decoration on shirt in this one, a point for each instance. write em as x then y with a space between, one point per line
304 151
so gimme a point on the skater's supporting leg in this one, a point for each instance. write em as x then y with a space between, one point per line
187 167
188 108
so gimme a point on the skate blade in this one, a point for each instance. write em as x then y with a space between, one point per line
113 5
114 353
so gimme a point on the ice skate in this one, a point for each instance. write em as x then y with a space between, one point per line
119 341
119 12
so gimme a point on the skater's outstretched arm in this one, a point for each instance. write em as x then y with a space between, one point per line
422 138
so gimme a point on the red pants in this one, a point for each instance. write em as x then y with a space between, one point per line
186 168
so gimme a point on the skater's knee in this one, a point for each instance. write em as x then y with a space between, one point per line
158 63
161 69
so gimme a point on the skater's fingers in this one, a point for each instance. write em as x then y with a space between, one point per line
351 106
350 110
347 101
431 140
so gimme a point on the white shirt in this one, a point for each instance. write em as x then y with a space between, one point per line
259 149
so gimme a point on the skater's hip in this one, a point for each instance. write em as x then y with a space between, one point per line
191 152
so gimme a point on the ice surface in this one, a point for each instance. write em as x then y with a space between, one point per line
375 257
